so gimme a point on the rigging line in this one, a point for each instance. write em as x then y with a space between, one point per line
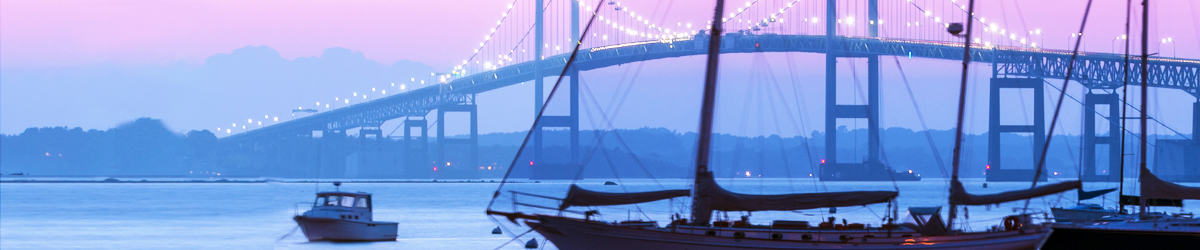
518 237
617 109
779 129
739 142
1102 115
800 108
618 136
921 117
608 159
536 120
871 116
1058 107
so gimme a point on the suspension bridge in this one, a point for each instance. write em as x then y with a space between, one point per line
534 38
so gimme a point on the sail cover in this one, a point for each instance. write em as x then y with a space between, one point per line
1084 195
720 199
959 195
1155 188
578 196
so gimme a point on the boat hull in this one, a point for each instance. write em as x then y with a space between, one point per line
1111 238
327 229
1072 215
567 233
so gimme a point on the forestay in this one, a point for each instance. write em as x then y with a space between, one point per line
578 196
959 195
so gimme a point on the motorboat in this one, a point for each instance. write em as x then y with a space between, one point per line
344 216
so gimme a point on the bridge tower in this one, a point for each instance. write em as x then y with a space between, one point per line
541 169
872 168
994 168
416 153
1092 101
467 169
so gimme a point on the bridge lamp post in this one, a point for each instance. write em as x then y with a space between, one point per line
1113 43
1168 41
1080 40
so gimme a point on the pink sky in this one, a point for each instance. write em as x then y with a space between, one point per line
69 33
57 34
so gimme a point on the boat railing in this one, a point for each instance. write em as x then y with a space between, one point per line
516 202
296 206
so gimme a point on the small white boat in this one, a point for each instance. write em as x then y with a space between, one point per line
344 216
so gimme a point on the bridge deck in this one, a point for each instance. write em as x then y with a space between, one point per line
1094 70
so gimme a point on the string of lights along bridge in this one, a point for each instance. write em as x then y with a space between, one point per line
532 39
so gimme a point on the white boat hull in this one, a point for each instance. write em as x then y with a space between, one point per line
567 233
329 229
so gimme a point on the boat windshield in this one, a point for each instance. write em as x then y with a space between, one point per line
341 201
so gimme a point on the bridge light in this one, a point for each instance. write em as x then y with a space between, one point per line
347 101
249 120
276 118
383 92
227 131
326 105
318 103
259 122
235 125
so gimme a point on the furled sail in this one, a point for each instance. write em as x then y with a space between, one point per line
720 199
1155 188
959 195
578 196
1084 195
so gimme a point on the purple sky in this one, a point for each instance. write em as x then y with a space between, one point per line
45 39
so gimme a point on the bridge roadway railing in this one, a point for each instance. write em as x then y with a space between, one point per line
1095 70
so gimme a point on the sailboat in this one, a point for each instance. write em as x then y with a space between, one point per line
928 230
1144 230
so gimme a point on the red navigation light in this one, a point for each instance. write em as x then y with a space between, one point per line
988 166
435 169
531 163
822 161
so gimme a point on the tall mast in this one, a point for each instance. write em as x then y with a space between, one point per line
1124 108
962 103
700 212
1145 89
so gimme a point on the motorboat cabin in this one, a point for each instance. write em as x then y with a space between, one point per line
344 216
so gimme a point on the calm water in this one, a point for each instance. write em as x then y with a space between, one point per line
431 215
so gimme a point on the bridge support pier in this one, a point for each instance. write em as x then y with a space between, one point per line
416 154
539 167
994 169
1091 140
468 169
